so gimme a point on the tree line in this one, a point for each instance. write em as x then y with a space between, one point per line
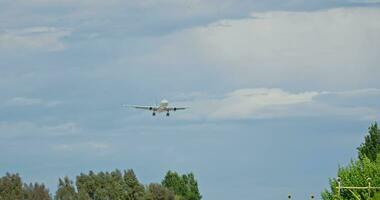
114 185
357 172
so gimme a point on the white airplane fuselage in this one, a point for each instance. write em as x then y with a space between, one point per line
163 106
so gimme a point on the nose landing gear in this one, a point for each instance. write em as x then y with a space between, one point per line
167 114
153 114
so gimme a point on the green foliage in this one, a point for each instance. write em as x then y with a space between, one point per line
174 182
11 187
113 185
371 146
358 171
35 192
185 186
156 191
135 190
66 190
192 185
355 174
101 186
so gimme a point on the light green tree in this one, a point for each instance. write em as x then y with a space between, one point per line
355 174
358 171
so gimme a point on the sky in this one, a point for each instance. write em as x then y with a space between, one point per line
280 92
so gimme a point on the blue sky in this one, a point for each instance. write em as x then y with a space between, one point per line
281 92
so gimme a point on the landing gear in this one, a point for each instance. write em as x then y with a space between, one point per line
167 114
153 114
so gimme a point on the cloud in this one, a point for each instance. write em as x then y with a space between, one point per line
280 49
365 97
26 129
45 38
99 148
25 101
264 103
63 129
365 1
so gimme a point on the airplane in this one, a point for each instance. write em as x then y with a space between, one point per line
162 107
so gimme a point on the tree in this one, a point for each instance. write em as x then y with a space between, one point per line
117 185
175 183
358 171
35 191
185 186
192 192
83 196
156 191
11 187
113 185
135 191
371 146
109 186
355 174
86 186
66 190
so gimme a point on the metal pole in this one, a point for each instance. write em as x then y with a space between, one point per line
369 188
338 179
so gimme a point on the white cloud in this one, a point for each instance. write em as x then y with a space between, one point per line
365 1
276 103
63 129
46 38
25 101
357 93
322 49
31 129
22 101
94 147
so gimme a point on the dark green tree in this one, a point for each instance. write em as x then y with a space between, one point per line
156 191
192 192
108 186
175 183
135 190
66 190
117 185
83 196
86 186
11 187
371 146
113 185
185 187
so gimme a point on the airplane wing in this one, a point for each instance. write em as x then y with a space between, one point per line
176 108
143 107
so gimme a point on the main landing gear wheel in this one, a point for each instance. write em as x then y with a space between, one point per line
167 114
